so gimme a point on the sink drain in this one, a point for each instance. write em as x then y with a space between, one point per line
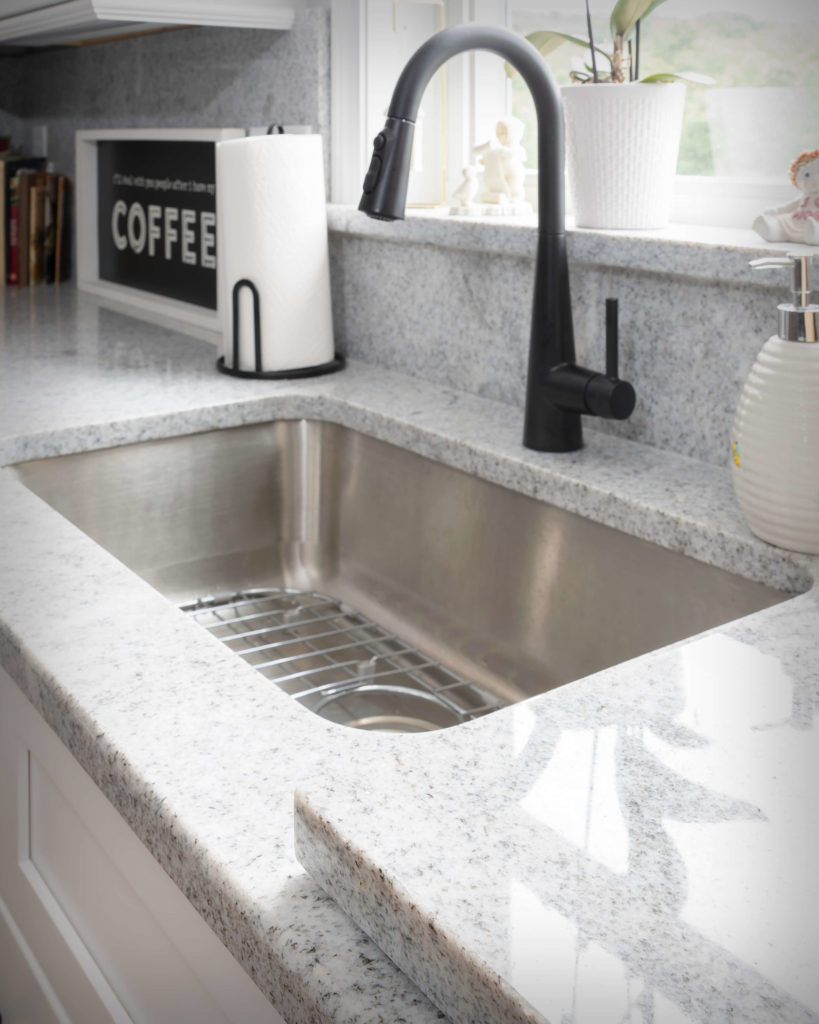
339 663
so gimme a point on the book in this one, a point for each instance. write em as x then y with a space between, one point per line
36 233
50 228
28 178
14 230
62 256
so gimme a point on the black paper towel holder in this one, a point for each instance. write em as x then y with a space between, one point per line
317 370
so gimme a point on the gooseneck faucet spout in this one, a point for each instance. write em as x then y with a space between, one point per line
557 391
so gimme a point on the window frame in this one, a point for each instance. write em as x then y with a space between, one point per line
350 104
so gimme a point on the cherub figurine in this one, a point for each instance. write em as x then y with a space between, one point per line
799 220
503 162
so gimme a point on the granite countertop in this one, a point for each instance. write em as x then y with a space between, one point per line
637 845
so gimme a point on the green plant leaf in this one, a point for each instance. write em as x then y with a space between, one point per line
694 77
547 42
627 12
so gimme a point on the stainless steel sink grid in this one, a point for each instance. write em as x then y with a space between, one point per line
510 593
338 663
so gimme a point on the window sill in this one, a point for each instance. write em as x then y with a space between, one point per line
688 250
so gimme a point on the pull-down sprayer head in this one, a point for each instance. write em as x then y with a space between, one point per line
384 192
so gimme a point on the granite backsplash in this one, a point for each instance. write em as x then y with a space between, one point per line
452 305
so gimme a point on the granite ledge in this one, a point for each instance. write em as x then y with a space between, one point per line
690 251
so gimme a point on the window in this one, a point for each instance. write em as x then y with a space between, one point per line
739 137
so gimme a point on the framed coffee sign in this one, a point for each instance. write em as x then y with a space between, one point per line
146 221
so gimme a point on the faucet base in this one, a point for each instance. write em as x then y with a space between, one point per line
548 428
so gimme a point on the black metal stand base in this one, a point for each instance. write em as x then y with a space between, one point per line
337 363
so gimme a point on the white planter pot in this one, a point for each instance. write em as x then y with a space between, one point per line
622 143
775 455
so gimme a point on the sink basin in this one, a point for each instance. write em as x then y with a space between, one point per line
401 593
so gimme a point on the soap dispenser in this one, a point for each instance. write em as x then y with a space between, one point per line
775 437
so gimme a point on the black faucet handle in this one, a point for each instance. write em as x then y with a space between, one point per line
610 398
606 395
576 389
612 342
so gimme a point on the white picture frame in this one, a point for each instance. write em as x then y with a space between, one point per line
136 301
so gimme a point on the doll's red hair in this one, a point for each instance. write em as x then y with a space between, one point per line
803 158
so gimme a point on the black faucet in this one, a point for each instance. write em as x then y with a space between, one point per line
557 391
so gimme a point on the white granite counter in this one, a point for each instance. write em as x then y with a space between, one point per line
645 835
638 846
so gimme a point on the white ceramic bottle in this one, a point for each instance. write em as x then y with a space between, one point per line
775 437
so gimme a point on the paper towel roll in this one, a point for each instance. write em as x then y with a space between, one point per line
272 232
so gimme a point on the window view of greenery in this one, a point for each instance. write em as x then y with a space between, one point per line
763 109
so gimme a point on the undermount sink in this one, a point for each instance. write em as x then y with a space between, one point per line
383 589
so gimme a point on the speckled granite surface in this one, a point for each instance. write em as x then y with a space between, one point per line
192 76
637 846
202 758
693 316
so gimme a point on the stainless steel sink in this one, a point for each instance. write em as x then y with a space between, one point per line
384 589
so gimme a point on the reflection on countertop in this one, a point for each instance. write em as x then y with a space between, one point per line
643 849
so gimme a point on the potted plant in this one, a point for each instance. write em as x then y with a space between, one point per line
622 131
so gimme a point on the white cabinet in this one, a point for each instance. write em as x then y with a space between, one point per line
35 23
91 929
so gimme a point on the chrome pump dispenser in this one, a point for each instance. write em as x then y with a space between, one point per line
799 319
775 437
